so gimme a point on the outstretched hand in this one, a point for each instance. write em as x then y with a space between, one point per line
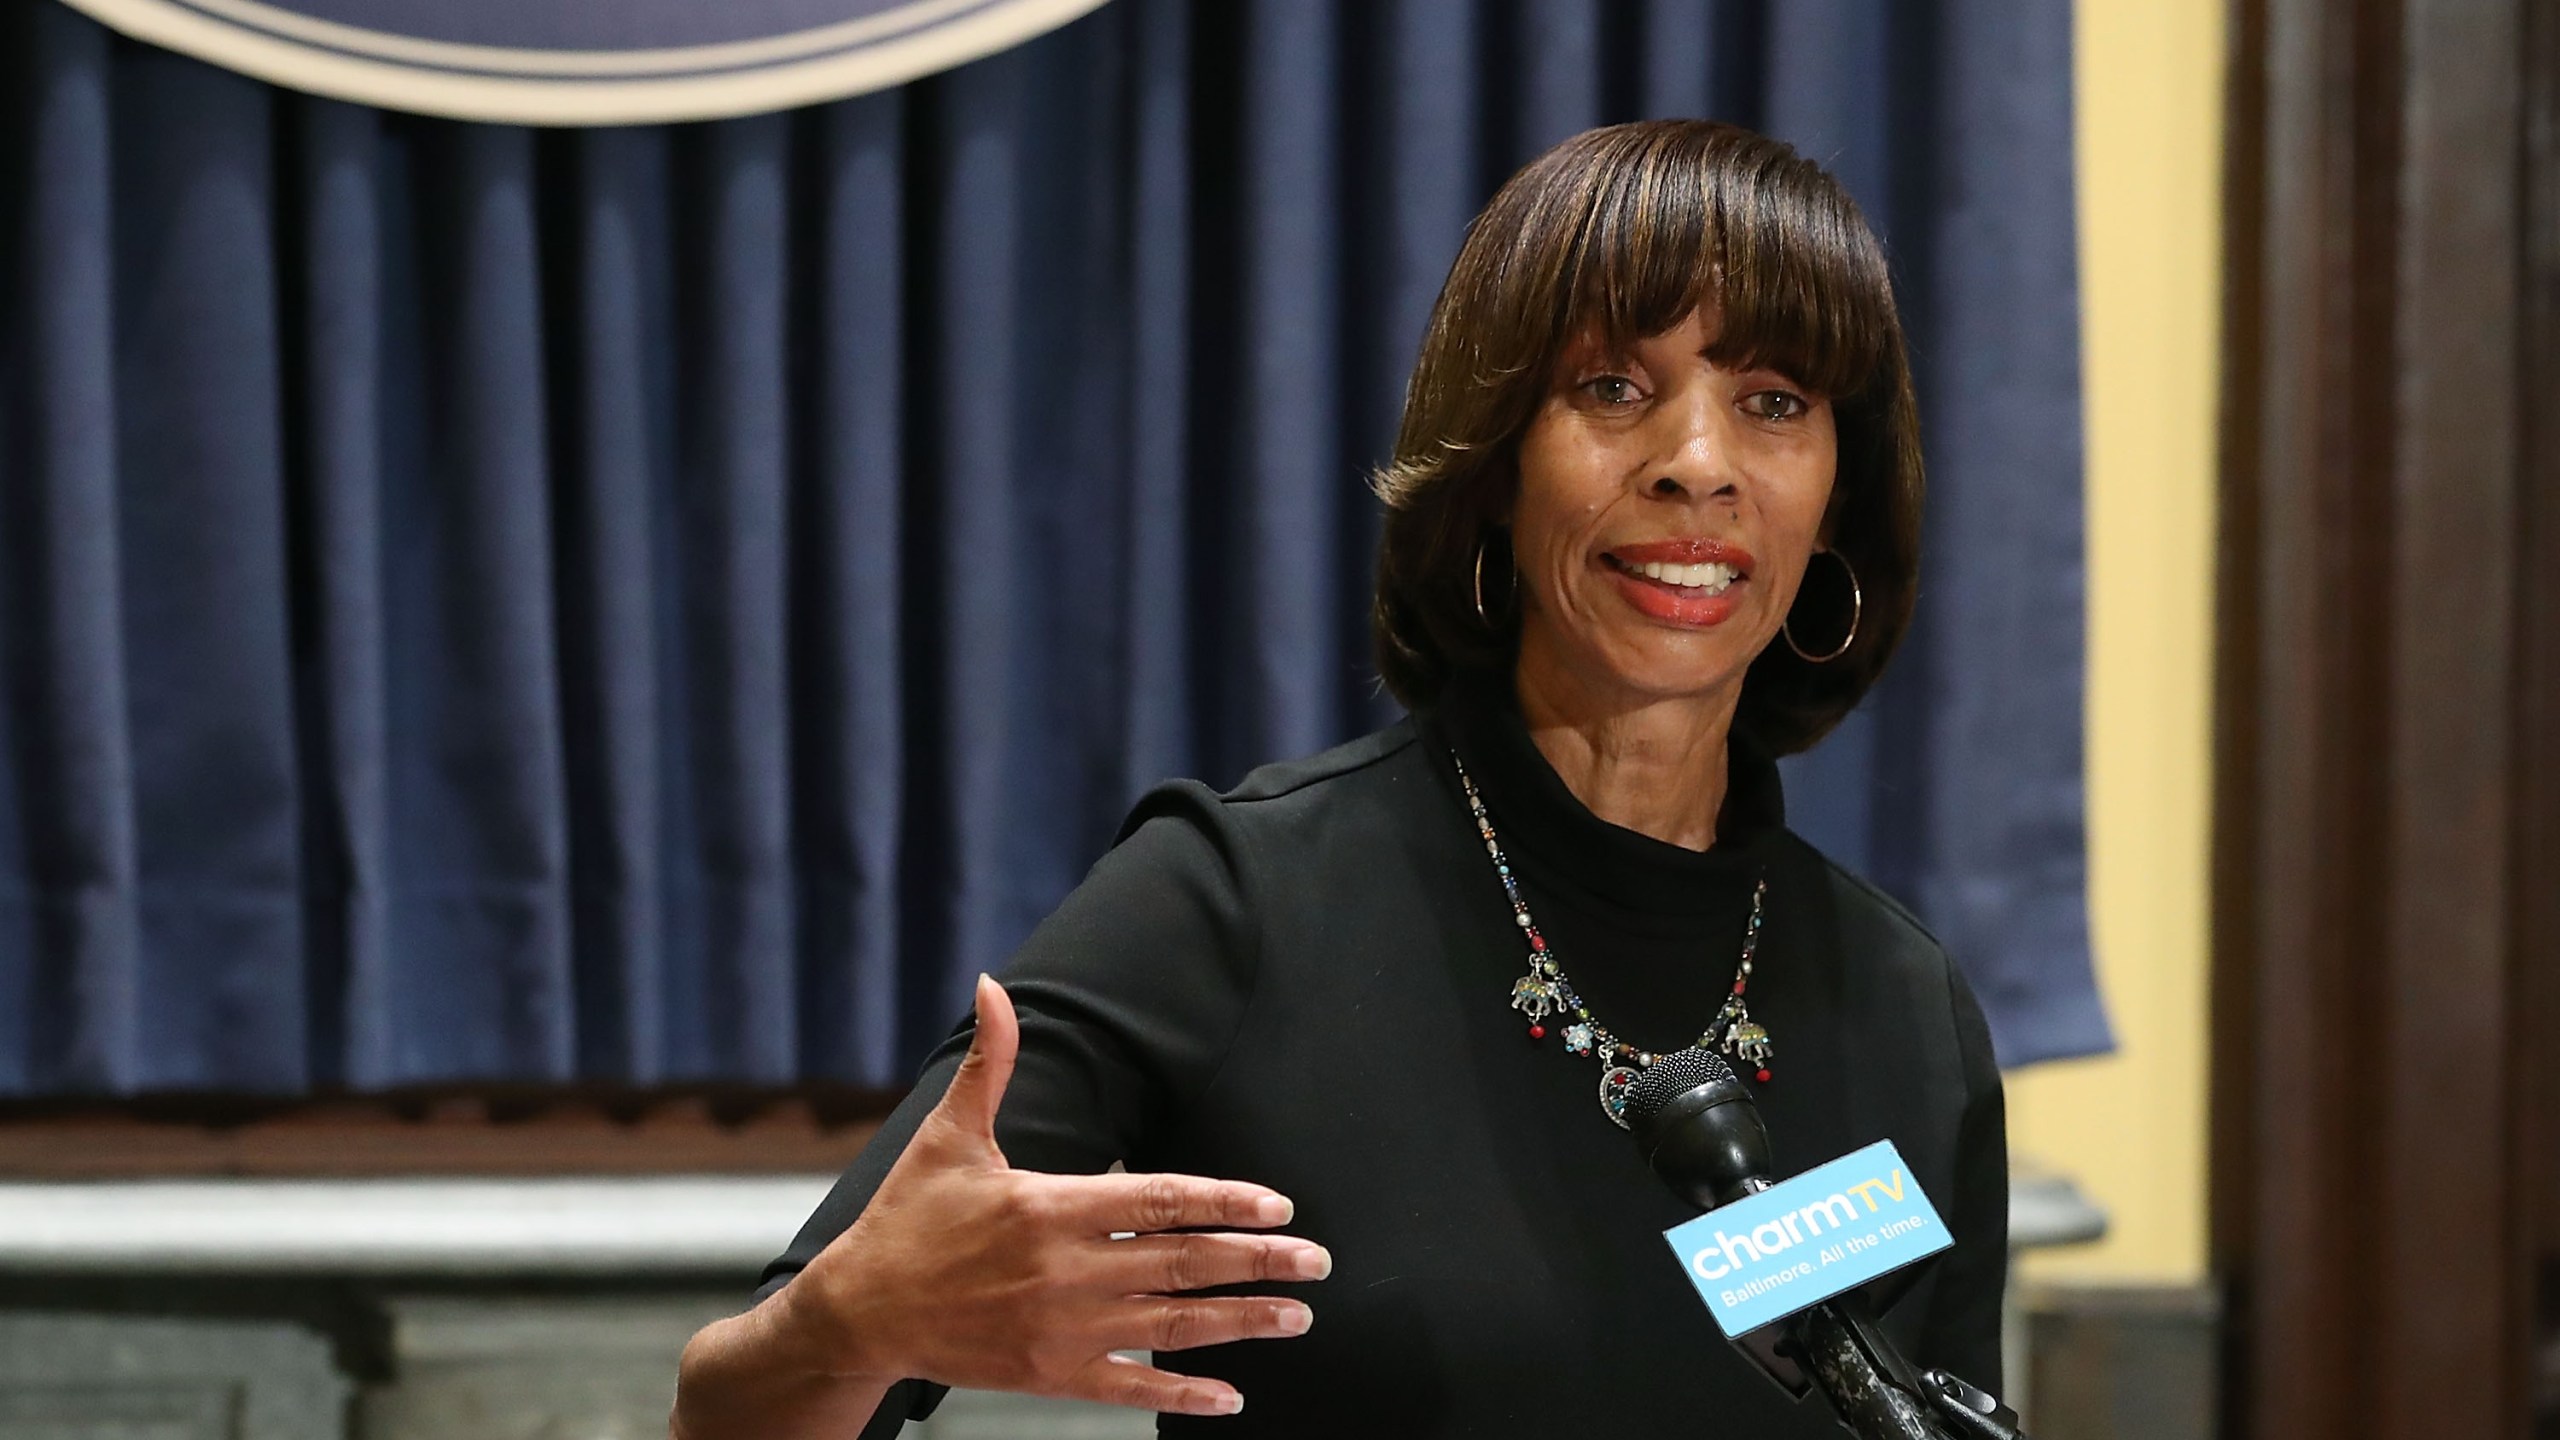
966 1271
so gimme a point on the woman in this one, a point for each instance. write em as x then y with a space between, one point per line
1653 520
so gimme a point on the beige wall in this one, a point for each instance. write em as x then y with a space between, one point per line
2131 1127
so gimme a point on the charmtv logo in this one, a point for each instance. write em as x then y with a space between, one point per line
1836 1211
1796 1244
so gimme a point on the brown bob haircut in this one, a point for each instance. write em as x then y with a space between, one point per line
1624 231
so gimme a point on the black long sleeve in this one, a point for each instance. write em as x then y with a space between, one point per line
1963 1334
1127 995
1304 983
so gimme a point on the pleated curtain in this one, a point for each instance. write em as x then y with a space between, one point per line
662 606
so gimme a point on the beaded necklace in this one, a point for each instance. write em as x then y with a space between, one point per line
1545 991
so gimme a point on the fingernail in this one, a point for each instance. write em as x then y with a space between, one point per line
1224 1402
1294 1319
1274 1210
1315 1262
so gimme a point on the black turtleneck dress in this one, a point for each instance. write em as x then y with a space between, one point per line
1306 983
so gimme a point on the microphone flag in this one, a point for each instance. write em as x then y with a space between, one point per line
1798 1243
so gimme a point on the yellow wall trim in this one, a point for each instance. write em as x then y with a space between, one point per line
2131 1128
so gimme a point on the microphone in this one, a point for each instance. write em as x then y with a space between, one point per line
1700 1131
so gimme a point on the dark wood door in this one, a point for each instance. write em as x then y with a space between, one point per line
2387 911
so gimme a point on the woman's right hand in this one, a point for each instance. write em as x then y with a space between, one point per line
966 1271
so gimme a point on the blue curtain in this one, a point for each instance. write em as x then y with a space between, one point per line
668 605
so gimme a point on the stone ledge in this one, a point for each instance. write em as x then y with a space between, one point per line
684 1226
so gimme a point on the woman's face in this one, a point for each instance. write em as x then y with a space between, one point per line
1666 513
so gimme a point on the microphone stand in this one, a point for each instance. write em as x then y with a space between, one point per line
1873 1390
1699 1129
1869 1385
1838 1346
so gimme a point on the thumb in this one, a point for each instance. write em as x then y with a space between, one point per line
969 1106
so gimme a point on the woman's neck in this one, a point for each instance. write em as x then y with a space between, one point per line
1648 764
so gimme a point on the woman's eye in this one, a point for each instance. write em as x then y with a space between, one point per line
1775 404
1610 389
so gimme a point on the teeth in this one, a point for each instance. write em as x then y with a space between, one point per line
1710 576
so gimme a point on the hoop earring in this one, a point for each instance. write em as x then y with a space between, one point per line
1857 608
1479 586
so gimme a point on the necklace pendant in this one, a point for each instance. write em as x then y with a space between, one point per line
1616 1084
1749 1043
1534 998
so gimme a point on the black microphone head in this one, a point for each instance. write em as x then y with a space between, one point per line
1674 1074
1698 1128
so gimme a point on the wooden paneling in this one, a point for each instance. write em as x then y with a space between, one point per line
2452 1271
2377 821
2538 667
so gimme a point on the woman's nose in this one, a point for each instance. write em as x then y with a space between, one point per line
1695 459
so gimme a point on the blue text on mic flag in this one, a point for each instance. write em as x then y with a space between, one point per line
1799 1243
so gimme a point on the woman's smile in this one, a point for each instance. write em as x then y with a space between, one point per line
1692 582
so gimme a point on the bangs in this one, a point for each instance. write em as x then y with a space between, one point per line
1770 246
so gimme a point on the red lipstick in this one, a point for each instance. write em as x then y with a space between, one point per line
1685 552
1674 604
